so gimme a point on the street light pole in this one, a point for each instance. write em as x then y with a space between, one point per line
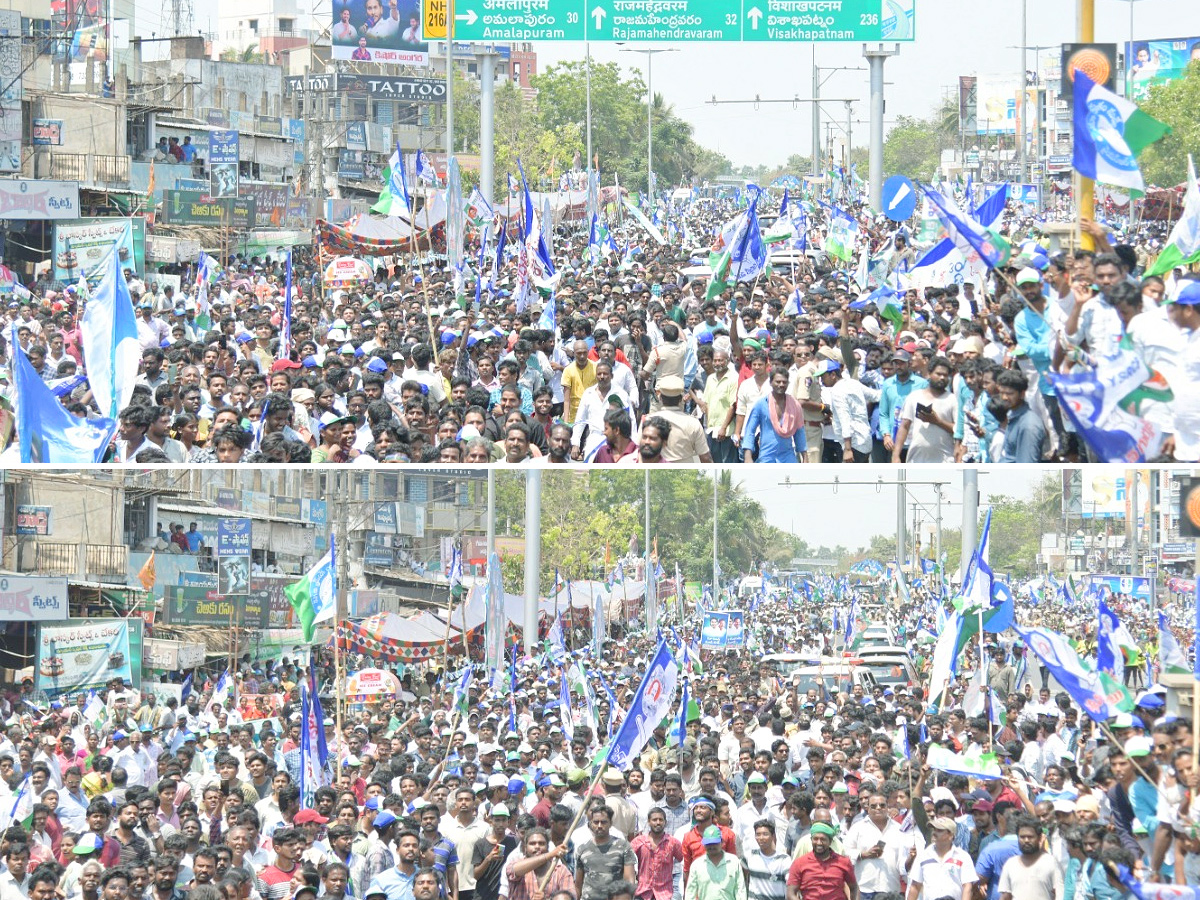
649 51
1024 91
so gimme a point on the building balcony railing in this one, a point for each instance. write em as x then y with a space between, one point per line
86 168
104 562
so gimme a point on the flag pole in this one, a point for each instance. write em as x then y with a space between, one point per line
1086 195
582 807
462 608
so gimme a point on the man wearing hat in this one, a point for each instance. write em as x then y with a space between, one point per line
686 442
942 869
704 810
894 393
624 814
718 874
668 359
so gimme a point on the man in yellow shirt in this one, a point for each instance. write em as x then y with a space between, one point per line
720 392
577 378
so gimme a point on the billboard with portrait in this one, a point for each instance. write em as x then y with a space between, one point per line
1158 62
380 31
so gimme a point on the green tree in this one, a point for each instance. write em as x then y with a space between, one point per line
912 148
1165 162
250 54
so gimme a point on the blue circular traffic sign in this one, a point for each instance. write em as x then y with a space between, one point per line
899 198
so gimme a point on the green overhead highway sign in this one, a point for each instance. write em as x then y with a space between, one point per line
687 21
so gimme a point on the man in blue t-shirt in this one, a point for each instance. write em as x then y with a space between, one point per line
195 540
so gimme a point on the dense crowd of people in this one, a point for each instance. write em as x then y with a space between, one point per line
641 358
762 787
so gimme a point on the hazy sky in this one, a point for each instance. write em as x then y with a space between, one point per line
954 37
852 514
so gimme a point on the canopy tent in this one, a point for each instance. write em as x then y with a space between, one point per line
398 640
371 236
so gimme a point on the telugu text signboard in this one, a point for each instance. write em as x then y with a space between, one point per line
204 606
32 598
198 208
688 21
234 537
81 655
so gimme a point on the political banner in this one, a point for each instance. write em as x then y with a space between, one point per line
379 31
82 655
735 633
723 630
1136 586
1158 61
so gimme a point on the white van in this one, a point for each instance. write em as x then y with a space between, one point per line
819 674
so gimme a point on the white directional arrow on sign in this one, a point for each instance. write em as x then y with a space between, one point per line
471 17
598 14
754 14
904 191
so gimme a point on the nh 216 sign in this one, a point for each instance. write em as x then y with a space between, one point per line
687 21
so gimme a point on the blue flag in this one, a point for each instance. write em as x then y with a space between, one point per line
424 168
649 707
462 690
483 241
498 262
548 320
748 253
598 624
46 432
1109 658
186 690
111 350
285 325
969 234
685 698
564 700
314 752
1076 678
512 689
1114 434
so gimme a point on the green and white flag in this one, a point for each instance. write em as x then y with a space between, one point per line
651 228
1183 246
314 597
974 765
1170 656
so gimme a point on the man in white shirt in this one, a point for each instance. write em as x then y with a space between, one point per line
847 399
942 870
873 844
593 404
